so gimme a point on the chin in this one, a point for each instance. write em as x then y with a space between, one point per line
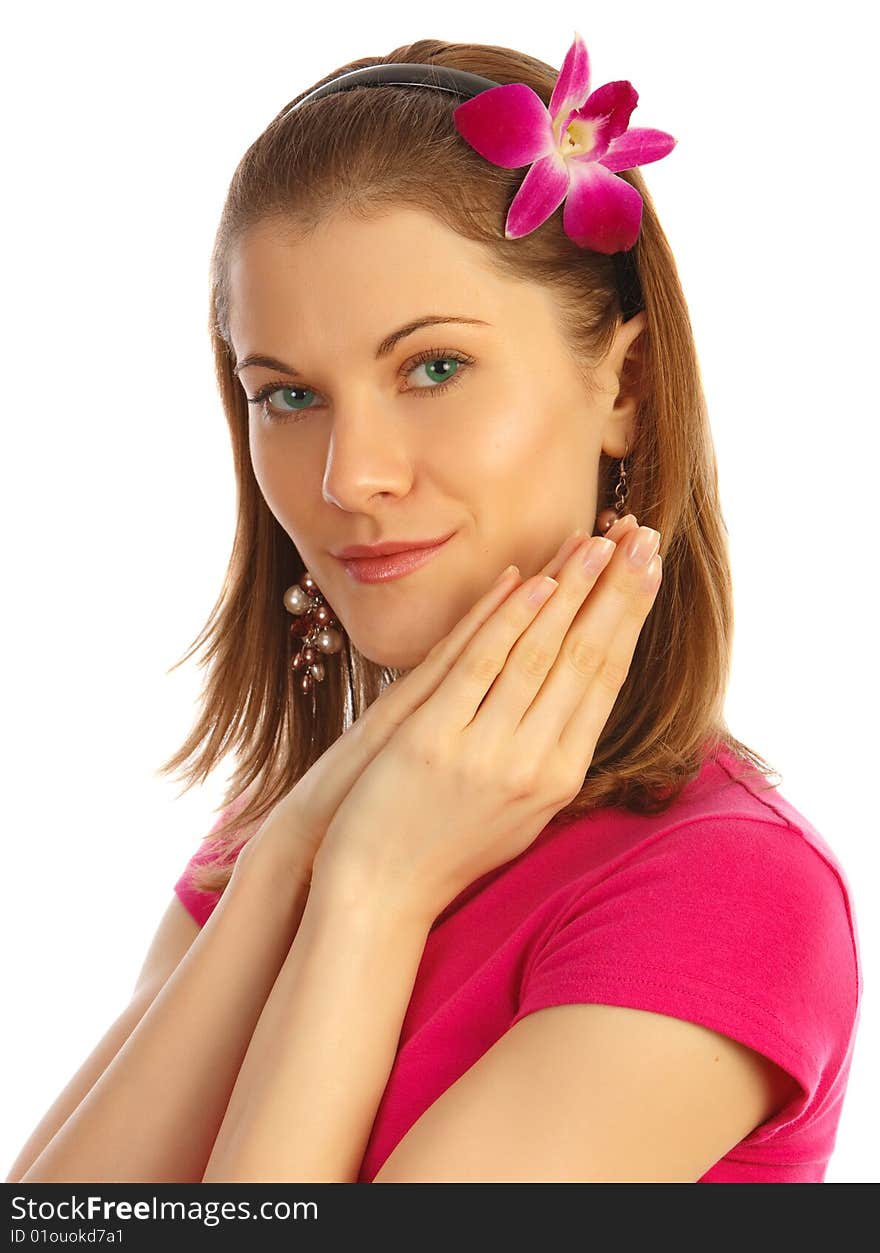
392 654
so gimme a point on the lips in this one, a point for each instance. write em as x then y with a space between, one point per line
395 565
389 547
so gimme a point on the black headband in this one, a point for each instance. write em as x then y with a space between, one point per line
465 84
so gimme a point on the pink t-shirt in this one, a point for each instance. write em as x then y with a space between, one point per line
728 910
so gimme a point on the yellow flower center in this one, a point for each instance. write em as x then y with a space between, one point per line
579 137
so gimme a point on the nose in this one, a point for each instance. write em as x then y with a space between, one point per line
368 453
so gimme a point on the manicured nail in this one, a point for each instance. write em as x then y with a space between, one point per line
641 545
595 555
569 545
622 526
542 591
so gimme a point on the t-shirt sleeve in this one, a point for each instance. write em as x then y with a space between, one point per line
735 923
201 904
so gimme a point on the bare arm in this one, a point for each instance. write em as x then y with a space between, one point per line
153 1114
177 1048
307 1093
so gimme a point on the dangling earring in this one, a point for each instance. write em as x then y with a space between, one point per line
607 517
315 624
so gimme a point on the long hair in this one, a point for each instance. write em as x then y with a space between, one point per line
371 149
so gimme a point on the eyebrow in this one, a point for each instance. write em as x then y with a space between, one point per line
385 347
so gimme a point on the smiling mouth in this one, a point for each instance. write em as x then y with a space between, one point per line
392 566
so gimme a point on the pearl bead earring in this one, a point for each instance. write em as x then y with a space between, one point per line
315 624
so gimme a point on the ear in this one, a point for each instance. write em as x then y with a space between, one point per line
625 361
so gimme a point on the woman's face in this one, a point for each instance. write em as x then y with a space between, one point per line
493 435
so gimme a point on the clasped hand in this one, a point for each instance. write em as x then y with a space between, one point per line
472 775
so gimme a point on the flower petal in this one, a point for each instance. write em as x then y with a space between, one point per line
638 146
608 109
602 212
573 84
542 190
508 125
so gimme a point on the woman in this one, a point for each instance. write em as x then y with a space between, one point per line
495 894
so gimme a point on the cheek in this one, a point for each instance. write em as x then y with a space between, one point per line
526 452
280 475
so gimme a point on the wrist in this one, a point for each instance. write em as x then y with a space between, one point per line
273 854
341 885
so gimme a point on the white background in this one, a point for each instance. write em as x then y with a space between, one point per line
121 129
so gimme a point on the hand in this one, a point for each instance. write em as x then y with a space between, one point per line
502 743
294 828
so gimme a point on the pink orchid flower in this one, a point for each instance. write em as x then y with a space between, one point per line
574 148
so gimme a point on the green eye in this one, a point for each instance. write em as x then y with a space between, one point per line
297 400
444 374
287 392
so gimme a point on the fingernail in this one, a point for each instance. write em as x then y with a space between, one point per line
571 543
621 526
596 553
641 545
542 591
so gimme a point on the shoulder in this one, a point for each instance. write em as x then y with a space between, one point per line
753 884
730 848
772 872
201 902
744 854
736 835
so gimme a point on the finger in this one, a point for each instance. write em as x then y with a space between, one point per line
450 647
513 574
578 694
454 704
424 678
401 698
620 528
537 649
319 793
588 719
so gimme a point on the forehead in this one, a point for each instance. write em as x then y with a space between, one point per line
355 277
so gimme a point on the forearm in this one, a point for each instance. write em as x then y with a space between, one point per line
154 1113
307 1093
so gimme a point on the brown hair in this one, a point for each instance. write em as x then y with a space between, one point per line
366 150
